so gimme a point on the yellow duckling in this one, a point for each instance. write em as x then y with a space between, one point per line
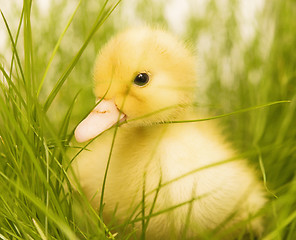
147 78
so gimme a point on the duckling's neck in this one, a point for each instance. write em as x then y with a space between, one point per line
148 127
162 117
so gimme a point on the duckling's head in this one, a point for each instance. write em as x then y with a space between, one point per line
145 75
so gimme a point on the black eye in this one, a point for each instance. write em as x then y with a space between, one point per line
141 79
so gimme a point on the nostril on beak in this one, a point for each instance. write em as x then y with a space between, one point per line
118 100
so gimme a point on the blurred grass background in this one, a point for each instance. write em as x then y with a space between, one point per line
245 57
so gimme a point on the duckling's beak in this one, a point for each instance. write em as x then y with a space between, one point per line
102 117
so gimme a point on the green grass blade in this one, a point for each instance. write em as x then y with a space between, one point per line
14 47
150 214
11 216
28 51
65 123
235 158
56 48
98 23
143 211
2 237
31 153
39 230
16 40
281 226
60 223
171 208
262 168
106 173
12 85
230 114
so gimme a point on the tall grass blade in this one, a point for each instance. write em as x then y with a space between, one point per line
11 85
56 48
102 17
232 113
39 230
281 226
28 52
14 48
60 223
16 40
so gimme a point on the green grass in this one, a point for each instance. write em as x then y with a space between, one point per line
51 63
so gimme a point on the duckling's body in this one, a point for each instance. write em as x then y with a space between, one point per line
170 163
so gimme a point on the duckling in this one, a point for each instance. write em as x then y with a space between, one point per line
176 173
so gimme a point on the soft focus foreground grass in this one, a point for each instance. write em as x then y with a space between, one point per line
50 69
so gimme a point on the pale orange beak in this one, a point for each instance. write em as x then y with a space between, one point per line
102 117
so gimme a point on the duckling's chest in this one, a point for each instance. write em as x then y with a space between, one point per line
140 161
143 159
137 157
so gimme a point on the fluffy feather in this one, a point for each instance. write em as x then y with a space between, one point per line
147 153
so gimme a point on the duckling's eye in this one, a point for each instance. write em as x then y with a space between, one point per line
141 79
